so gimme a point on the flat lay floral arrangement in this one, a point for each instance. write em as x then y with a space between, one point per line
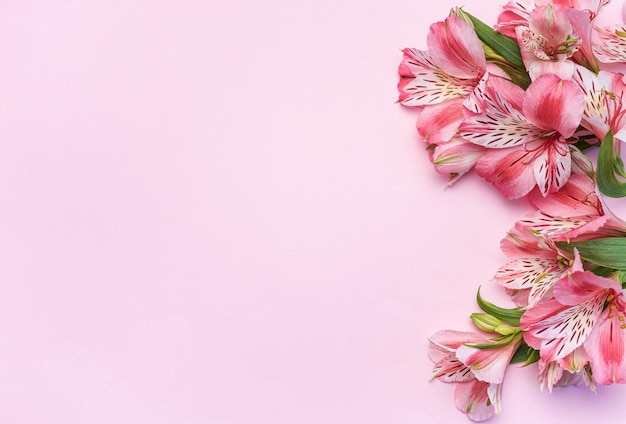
536 105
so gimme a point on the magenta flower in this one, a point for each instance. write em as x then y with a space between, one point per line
525 133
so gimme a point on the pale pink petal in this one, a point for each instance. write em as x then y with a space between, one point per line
553 103
472 399
523 273
562 69
488 364
500 124
456 49
451 370
575 361
423 83
510 93
603 95
494 391
536 274
595 116
611 45
456 158
445 342
549 374
553 166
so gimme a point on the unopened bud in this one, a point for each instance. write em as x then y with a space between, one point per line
505 330
486 322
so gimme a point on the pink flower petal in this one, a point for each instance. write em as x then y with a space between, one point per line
488 364
456 158
438 123
423 83
472 399
561 328
606 348
554 104
552 166
456 49
576 198
508 170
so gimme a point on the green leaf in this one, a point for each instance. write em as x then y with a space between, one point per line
602 271
607 252
517 76
500 50
511 316
504 46
497 342
525 354
610 164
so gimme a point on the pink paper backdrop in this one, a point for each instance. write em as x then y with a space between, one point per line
214 212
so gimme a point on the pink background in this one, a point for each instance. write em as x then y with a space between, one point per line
215 213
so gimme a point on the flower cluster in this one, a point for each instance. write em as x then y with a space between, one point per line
522 103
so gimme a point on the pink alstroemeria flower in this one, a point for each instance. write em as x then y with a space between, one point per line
611 44
606 344
451 68
559 326
477 399
574 213
552 36
525 133
439 80
489 364
473 399
604 107
443 347
456 157
536 265
574 369
548 42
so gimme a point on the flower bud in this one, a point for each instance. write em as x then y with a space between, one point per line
506 330
486 322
